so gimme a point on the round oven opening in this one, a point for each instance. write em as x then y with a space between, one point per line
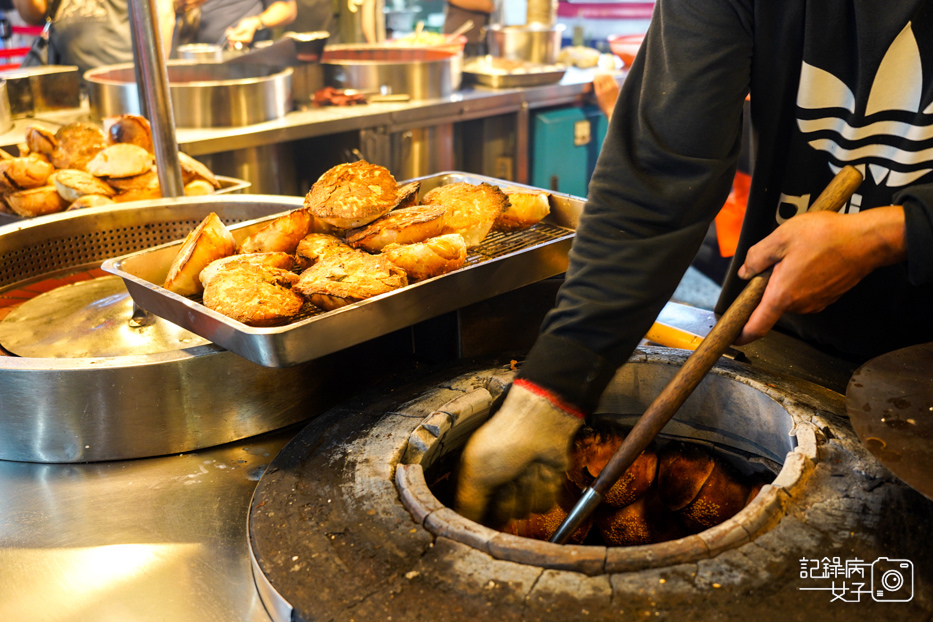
732 430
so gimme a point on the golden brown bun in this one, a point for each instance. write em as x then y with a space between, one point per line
129 128
408 194
78 143
526 208
209 241
433 257
24 173
120 160
471 209
703 490
592 450
198 188
36 201
400 226
344 278
73 184
315 246
646 521
193 170
144 180
544 526
140 193
282 261
682 471
352 195
254 294
91 200
41 140
721 497
281 235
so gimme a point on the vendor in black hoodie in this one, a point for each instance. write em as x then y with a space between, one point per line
832 83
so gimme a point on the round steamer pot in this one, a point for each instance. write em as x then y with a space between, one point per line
536 43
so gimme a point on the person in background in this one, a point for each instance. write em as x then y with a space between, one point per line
243 22
92 33
457 14
314 15
831 83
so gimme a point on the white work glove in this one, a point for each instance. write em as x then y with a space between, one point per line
516 462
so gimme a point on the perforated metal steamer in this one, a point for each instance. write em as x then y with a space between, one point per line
107 408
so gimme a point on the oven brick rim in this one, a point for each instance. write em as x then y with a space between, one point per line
463 414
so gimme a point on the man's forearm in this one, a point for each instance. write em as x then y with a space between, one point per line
279 14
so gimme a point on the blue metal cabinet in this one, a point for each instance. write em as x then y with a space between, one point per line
564 146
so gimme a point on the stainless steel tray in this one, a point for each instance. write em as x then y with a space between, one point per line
489 71
505 261
228 185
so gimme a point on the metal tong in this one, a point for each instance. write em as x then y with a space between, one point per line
694 369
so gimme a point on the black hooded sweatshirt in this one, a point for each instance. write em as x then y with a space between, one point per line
831 82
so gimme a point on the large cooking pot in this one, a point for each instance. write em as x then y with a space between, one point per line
419 72
536 43
203 94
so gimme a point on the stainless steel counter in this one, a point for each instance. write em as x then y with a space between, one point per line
467 104
153 539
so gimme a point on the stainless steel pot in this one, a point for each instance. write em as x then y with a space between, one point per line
203 94
536 43
421 73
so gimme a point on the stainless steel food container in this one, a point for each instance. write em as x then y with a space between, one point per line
49 88
420 73
203 94
201 52
537 43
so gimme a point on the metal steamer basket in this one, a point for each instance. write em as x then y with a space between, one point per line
502 263
136 405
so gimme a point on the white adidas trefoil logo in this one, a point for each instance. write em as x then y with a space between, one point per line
897 88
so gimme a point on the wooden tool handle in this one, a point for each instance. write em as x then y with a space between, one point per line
722 335
695 368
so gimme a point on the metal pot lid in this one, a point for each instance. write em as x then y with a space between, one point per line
89 319
890 402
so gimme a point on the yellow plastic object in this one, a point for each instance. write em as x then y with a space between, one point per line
672 337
